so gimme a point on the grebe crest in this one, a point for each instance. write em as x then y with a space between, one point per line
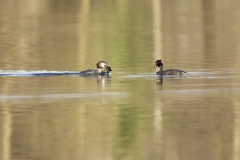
160 72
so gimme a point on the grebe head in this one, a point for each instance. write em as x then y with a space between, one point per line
108 69
158 64
103 66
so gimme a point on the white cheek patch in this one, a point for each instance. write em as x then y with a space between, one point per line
104 65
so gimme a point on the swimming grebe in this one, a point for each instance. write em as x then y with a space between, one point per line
160 72
103 69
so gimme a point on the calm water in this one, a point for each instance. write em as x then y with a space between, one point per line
132 115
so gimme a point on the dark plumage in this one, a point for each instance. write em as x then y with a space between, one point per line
108 69
160 72
92 72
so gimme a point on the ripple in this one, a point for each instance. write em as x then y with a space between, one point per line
140 75
64 96
36 73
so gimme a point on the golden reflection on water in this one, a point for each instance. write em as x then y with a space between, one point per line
120 117
236 134
6 130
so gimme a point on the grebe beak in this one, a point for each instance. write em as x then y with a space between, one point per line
154 66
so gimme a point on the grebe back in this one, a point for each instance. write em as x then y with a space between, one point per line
160 72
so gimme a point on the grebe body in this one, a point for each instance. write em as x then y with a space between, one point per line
103 69
160 72
172 72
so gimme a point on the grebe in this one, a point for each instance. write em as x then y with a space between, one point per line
103 69
160 72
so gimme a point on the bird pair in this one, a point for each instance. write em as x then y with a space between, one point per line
104 67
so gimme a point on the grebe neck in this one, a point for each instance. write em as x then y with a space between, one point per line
160 68
99 71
